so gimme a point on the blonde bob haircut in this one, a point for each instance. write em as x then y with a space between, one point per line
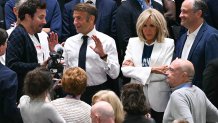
113 99
158 21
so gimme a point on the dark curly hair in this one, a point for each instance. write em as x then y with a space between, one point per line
37 82
30 7
133 99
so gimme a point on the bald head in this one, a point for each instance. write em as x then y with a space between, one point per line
185 66
180 71
102 112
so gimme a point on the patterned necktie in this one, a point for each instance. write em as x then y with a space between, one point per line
82 53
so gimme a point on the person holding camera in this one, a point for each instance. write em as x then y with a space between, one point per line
24 50
91 50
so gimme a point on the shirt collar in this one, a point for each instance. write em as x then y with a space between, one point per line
184 85
93 32
195 32
150 44
84 1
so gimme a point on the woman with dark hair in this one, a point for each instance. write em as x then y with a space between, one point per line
35 106
134 104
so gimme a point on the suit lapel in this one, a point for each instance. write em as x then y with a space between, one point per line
197 40
181 45
157 49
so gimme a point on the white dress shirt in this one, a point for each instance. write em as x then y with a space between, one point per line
96 68
189 42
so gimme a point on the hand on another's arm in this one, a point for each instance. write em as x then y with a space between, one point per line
159 70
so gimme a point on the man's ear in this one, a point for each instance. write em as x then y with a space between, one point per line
15 11
92 18
199 13
185 74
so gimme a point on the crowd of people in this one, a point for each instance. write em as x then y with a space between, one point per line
143 61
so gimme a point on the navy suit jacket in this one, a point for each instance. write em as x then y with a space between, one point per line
203 50
9 113
53 15
106 10
125 21
21 55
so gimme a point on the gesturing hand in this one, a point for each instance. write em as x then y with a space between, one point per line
98 46
52 40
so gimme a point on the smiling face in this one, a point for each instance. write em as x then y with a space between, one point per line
149 31
188 16
83 22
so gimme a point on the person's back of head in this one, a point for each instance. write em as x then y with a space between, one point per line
37 83
113 99
74 81
133 99
102 112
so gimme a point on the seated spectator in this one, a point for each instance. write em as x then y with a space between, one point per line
102 112
9 113
134 104
113 99
187 100
73 110
35 106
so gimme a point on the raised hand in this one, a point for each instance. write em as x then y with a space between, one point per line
52 40
98 46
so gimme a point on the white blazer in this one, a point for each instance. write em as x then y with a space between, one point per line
156 89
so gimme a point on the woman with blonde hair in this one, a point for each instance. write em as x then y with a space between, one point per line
147 57
113 99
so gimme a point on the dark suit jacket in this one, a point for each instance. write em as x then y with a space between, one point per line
9 113
53 15
212 16
21 54
210 82
106 9
203 50
125 19
129 118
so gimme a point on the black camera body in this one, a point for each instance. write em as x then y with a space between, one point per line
54 64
